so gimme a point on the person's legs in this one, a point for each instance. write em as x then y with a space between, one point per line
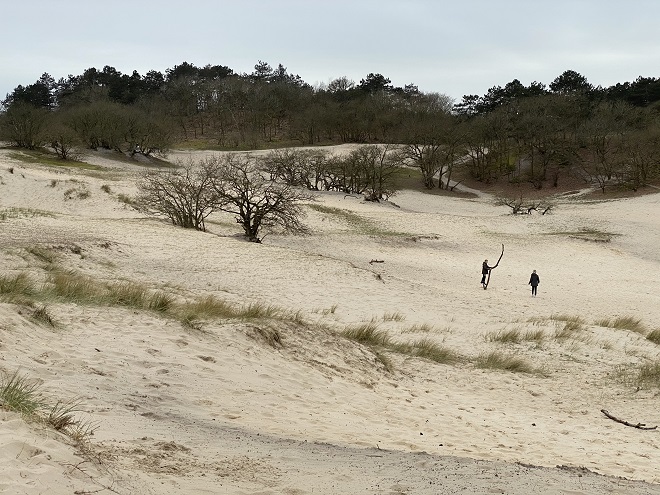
533 290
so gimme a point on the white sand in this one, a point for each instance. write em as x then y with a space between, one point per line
220 411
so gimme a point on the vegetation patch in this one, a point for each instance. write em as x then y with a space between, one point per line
501 361
45 158
17 286
624 323
428 349
587 234
654 336
7 213
515 336
356 222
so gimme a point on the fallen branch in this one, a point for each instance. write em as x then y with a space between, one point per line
639 426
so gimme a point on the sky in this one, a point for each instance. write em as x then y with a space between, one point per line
454 48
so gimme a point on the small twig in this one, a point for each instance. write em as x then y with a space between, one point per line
376 261
640 426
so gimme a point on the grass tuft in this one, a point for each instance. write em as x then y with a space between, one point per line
19 394
41 314
501 361
649 375
654 336
16 286
623 323
368 334
428 349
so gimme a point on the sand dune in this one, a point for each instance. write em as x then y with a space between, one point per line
219 409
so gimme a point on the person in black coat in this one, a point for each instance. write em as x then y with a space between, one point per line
485 270
534 281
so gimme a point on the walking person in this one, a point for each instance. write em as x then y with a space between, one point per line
534 281
485 270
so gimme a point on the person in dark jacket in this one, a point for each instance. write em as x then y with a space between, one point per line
485 270
534 281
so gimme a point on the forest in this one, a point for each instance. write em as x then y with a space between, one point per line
535 135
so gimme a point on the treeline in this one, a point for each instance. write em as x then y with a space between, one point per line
535 134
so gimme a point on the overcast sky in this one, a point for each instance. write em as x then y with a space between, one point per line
451 47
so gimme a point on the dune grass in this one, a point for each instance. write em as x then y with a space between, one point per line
368 334
629 323
43 254
7 213
419 328
17 286
503 361
41 314
19 394
22 395
371 335
515 336
428 349
648 375
654 336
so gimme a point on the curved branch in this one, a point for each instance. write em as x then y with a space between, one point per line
493 267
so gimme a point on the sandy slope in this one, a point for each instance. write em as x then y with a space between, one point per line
218 410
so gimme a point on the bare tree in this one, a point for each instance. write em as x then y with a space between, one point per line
521 206
185 195
242 187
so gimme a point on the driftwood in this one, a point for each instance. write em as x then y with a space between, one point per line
639 426
376 261
493 268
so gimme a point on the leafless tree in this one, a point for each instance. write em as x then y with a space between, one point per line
521 206
243 188
185 195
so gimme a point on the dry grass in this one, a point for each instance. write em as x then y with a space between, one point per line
515 336
428 349
654 336
368 334
501 361
41 314
17 286
649 375
629 323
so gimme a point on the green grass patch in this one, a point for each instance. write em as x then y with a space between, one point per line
356 222
19 394
50 159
